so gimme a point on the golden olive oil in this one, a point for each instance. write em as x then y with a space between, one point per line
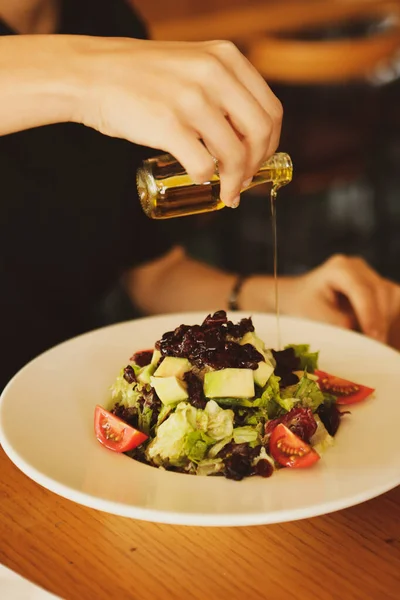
166 190
273 197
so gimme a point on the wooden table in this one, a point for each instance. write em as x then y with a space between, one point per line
83 554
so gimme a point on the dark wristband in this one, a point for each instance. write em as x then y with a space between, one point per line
233 303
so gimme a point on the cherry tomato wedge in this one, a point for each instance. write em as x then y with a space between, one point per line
289 450
114 433
346 392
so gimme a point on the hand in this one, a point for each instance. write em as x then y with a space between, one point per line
344 291
394 332
172 95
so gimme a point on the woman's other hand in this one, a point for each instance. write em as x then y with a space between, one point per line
344 291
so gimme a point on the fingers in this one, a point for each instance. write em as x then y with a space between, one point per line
347 292
191 154
234 127
362 287
252 123
389 299
394 332
210 124
217 103
254 83
332 314
306 296
244 98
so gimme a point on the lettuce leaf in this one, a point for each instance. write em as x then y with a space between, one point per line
210 466
166 409
242 435
253 416
169 445
144 419
237 402
321 440
308 360
188 433
275 399
213 451
309 394
264 456
123 392
196 445
245 435
220 421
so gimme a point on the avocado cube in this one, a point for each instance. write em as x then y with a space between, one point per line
156 357
173 367
145 373
263 373
251 338
229 383
170 390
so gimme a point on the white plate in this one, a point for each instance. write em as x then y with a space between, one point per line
46 428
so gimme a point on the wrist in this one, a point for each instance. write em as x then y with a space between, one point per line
67 86
46 74
258 293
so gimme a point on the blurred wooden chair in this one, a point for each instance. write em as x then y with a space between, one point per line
277 37
288 57
267 34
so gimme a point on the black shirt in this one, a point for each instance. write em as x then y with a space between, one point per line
70 219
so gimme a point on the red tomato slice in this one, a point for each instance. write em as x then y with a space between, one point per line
346 392
289 450
114 433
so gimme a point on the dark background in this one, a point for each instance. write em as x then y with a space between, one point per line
344 140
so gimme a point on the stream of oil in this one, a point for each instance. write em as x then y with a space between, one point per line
273 196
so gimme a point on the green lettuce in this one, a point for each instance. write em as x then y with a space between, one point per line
266 403
309 394
306 393
236 402
196 445
264 456
274 399
308 360
220 421
169 445
253 416
188 433
166 409
210 466
216 448
246 434
123 392
288 399
321 440
144 419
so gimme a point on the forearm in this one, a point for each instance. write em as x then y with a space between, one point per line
178 283
40 79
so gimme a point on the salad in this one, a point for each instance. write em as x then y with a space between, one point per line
212 399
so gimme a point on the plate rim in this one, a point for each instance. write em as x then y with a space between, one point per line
191 519
227 519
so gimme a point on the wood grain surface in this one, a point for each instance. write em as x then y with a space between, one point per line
83 554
